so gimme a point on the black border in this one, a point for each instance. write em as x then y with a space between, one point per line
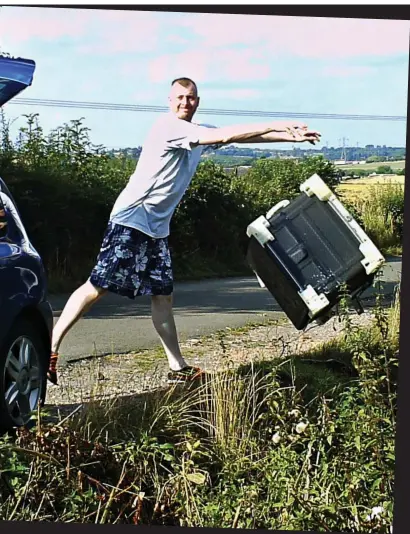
402 469
363 11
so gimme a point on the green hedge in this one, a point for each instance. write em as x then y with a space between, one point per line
65 188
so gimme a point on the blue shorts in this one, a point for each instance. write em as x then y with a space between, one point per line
131 263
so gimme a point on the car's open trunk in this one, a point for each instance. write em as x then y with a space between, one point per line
15 75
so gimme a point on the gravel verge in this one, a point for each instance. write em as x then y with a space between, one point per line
137 372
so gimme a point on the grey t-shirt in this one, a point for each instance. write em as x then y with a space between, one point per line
167 163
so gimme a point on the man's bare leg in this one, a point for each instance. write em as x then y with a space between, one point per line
164 323
80 302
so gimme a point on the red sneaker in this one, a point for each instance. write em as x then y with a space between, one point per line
52 369
186 374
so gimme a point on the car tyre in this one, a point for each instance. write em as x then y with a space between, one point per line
23 379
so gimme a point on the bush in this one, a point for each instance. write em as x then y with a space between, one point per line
384 169
64 187
64 183
212 216
271 180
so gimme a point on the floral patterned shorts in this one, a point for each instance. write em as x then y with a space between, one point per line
132 264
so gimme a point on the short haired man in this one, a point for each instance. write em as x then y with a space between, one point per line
134 258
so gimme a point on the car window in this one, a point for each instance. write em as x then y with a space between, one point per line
12 230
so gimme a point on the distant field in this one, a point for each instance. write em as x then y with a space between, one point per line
361 187
395 165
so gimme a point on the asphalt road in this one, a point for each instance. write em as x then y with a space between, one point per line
118 325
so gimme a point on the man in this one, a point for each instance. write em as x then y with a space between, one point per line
134 258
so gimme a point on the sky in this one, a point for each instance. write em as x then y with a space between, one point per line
240 62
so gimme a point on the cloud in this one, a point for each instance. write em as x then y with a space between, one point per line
21 24
123 32
204 66
100 31
169 66
301 36
112 31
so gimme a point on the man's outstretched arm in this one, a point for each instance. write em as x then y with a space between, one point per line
242 133
299 136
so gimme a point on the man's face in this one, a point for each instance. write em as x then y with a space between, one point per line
183 101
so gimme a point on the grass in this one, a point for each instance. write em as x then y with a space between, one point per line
379 207
275 444
354 190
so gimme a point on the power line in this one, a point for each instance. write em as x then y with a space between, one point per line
205 111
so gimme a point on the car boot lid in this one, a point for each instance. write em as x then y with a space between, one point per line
16 74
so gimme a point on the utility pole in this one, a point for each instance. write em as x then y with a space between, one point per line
343 156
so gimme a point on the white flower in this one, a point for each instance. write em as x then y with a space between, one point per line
301 427
276 438
376 511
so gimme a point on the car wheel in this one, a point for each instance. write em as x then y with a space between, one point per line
23 379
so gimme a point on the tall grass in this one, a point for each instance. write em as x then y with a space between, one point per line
382 214
251 447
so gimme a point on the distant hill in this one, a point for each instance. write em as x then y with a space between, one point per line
234 155
385 153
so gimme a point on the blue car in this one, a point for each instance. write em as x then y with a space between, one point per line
26 317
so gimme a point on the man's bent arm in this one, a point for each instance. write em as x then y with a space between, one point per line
242 133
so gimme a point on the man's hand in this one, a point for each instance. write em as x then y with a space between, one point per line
303 135
298 131
287 126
